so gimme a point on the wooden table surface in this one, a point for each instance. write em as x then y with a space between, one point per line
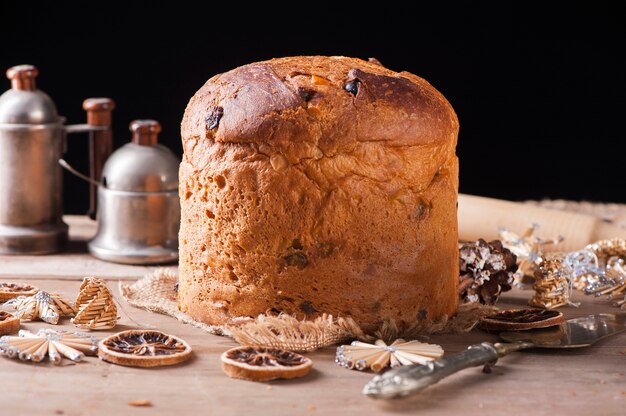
587 381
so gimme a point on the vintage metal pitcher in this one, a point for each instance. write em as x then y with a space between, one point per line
32 142
138 205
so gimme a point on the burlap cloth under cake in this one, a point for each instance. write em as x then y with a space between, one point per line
156 292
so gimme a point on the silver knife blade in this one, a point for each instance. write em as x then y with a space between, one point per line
574 333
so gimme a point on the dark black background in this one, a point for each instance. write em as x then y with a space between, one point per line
539 93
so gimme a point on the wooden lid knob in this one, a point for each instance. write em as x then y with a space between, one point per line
98 104
145 132
99 111
23 77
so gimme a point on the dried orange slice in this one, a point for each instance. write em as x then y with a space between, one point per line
264 364
521 319
8 323
9 290
139 348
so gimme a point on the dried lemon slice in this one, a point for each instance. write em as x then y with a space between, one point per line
9 290
139 348
8 323
263 364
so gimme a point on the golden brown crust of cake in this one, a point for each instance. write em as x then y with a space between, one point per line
318 185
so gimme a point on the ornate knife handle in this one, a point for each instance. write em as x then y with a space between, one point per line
407 380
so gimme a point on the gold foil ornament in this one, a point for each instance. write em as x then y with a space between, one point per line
528 248
599 269
552 285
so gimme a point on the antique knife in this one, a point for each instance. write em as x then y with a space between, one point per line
574 333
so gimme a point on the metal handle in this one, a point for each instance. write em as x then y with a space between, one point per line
77 173
83 128
100 144
407 380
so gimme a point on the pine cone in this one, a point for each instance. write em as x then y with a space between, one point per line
486 270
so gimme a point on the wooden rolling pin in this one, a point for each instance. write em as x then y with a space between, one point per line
481 217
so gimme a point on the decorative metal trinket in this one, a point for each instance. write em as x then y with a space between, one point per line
599 270
528 248
552 285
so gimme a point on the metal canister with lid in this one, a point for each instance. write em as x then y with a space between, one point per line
32 142
138 205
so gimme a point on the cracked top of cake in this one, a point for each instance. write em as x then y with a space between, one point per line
328 101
